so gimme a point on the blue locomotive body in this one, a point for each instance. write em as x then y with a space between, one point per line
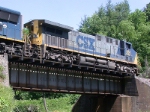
10 23
101 46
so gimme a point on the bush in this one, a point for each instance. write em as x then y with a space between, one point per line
2 76
7 102
26 108
74 98
61 104
25 95
3 104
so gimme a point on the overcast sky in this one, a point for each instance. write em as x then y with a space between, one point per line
68 12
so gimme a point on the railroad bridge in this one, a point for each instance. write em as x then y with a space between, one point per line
32 75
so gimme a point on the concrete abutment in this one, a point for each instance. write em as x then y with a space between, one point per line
114 103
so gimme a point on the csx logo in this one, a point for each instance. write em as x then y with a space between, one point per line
85 42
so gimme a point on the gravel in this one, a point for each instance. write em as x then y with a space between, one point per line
144 80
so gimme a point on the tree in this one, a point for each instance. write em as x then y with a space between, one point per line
106 20
142 38
91 25
137 18
126 30
147 11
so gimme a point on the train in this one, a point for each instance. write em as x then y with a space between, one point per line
47 40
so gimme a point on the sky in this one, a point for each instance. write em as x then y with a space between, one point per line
67 12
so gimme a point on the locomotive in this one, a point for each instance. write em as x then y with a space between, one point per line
52 41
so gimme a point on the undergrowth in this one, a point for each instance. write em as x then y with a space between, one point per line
7 102
2 76
62 104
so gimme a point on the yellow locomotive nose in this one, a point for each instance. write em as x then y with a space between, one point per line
36 30
136 60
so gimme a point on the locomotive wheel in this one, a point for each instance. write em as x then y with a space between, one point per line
47 56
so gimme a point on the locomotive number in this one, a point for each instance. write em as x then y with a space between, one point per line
85 42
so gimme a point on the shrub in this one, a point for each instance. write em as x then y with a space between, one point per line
73 98
61 104
3 104
7 102
26 108
2 76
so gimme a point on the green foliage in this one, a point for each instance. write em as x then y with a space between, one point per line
7 102
73 98
2 76
24 95
126 30
56 102
147 11
137 18
53 105
25 31
59 105
3 104
91 25
142 38
106 20
27 106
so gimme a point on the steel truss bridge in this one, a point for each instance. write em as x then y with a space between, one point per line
31 75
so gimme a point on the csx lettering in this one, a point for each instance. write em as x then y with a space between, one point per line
85 42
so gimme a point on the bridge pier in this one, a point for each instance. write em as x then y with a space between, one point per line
103 103
5 66
114 103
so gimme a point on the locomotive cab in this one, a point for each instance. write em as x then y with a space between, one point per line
47 32
10 24
127 51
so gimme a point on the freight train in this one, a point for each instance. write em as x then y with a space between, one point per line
49 40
